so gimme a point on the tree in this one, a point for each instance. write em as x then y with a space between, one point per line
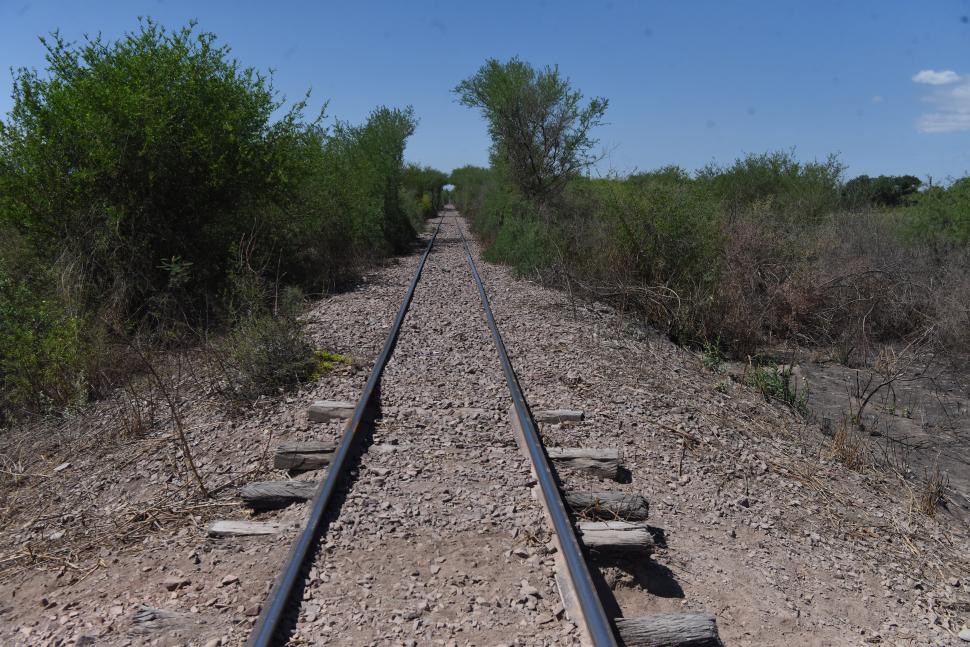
539 127
142 160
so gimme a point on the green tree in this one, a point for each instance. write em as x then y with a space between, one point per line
540 128
142 160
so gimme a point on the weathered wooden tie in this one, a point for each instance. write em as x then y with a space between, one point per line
604 463
616 538
669 630
242 528
608 505
303 456
327 410
264 495
558 415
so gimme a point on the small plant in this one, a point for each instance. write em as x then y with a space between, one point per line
849 446
326 361
712 358
723 386
269 352
933 492
777 384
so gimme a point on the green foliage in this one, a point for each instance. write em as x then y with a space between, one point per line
941 216
778 384
795 191
540 130
43 356
164 183
422 194
144 149
881 191
713 356
472 184
326 361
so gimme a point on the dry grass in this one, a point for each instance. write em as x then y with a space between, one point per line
850 446
932 491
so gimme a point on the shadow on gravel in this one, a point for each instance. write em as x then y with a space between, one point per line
287 626
645 574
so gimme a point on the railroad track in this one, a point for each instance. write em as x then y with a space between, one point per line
566 528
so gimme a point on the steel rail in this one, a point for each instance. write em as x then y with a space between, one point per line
598 626
274 608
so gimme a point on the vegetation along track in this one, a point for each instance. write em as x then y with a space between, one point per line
426 528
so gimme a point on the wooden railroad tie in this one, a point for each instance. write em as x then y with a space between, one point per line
242 528
266 495
310 455
558 415
669 630
607 505
327 410
604 463
616 538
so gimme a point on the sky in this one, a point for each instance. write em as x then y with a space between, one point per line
885 84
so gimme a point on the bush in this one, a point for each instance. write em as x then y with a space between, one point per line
268 351
796 191
153 147
43 355
941 216
149 173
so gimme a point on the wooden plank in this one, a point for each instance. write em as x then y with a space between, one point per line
608 505
229 528
669 630
327 410
558 415
264 495
616 538
303 456
604 463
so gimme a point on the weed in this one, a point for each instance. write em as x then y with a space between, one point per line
850 446
712 357
325 361
933 491
777 384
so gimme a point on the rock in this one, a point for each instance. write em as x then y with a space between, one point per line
964 634
229 579
174 582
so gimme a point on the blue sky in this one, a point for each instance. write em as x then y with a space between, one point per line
885 84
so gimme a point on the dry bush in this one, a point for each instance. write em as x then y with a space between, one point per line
932 491
850 446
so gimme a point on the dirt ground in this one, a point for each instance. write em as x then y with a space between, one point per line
103 529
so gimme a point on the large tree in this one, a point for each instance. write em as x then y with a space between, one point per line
539 125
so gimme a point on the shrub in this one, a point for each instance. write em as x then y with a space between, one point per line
43 355
941 216
796 191
150 174
154 146
269 351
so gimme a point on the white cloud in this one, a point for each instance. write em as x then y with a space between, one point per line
951 109
877 98
932 77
